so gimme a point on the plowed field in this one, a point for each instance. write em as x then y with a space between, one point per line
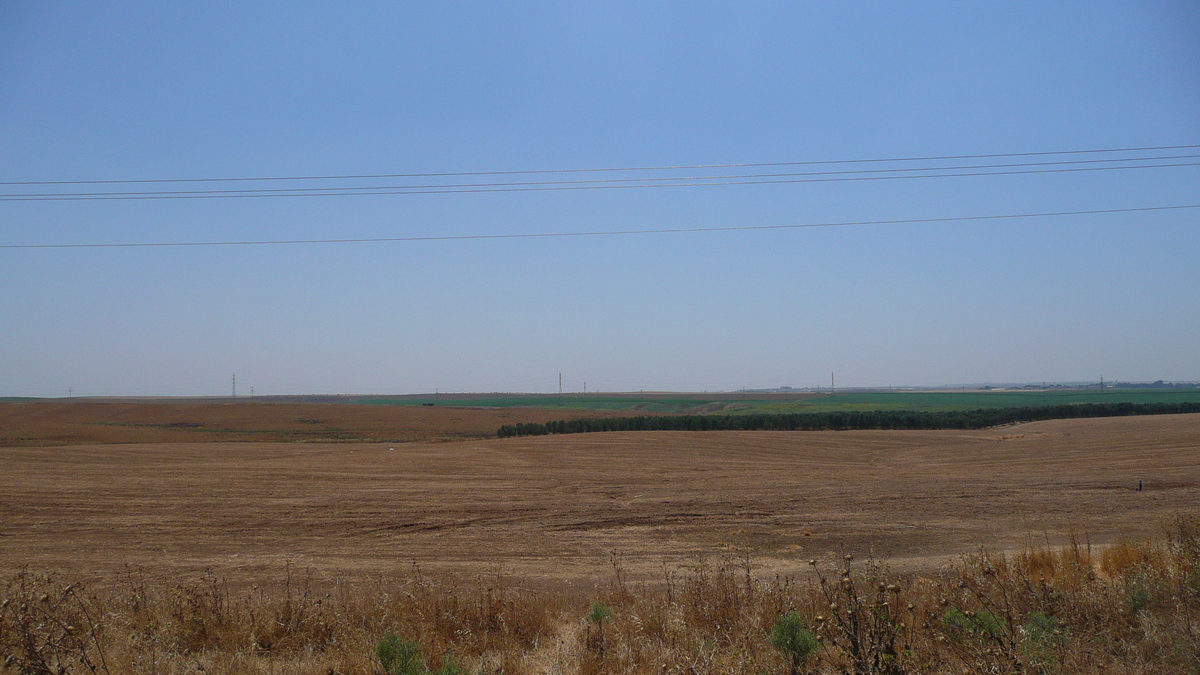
109 421
556 507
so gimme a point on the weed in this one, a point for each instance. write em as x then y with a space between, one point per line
1043 638
981 625
48 627
398 656
863 620
450 667
791 636
1042 610
598 614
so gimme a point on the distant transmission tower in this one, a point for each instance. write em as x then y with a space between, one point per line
235 385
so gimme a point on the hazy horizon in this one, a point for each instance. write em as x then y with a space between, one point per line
577 393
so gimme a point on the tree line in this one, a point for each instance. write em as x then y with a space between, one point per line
980 418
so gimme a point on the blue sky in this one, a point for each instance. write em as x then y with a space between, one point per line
128 90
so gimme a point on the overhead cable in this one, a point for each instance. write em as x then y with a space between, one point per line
606 184
539 235
590 170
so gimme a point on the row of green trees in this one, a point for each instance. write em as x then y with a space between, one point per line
980 418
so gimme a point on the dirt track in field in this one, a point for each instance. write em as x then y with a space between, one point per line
555 507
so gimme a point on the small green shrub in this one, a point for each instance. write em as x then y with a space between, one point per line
400 657
450 667
1043 637
596 642
599 613
1139 596
981 624
790 636
1041 628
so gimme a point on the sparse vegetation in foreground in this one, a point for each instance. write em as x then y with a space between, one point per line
1130 608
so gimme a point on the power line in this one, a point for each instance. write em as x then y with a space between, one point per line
537 235
607 183
453 190
591 170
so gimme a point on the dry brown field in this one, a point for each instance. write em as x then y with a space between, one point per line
557 507
85 421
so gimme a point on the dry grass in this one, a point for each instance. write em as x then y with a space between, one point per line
304 626
1041 610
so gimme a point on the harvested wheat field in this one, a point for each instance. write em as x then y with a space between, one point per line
556 507
106 421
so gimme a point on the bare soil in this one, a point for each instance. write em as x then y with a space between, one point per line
85 421
555 508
